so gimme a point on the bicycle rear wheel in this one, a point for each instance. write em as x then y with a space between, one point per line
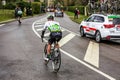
56 62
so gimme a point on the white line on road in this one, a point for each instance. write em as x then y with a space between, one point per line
71 32
87 65
39 29
39 25
66 39
92 54
2 24
35 30
47 34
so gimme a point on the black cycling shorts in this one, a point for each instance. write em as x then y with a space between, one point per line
18 15
55 36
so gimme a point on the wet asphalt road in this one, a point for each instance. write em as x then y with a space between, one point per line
21 52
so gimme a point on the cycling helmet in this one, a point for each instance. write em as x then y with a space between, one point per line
50 17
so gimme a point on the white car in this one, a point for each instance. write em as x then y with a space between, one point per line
102 27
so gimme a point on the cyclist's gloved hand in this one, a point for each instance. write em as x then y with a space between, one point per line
42 35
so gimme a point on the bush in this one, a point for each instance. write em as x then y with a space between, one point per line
22 5
36 7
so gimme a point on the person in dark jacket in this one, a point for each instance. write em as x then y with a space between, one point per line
18 13
76 13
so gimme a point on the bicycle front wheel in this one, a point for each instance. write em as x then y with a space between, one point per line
56 62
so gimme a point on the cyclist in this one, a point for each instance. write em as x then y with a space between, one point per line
55 33
18 13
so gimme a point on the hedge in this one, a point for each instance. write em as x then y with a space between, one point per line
36 7
10 6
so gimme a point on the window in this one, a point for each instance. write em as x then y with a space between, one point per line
90 19
98 19
116 21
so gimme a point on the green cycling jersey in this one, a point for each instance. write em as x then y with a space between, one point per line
54 28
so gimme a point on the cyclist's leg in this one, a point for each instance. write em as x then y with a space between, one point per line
48 48
50 41
56 45
19 18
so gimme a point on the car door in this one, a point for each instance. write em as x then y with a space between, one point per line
89 22
96 24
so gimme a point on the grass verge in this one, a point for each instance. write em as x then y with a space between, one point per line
6 15
80 18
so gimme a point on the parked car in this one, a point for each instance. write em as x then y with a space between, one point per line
59 13
101 27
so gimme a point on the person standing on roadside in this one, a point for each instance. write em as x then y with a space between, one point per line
76 13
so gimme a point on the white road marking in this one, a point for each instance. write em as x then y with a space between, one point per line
71 32
2 24
46 34
39 29
78 60
87 65
66 39
33 28
92 54
39 25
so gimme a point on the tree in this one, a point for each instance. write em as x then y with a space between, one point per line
13 0
81 2
37 0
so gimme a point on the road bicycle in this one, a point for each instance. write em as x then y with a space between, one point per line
55 56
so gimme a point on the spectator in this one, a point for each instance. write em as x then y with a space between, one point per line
76 13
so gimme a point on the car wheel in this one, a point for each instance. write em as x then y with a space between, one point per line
98 36
82 32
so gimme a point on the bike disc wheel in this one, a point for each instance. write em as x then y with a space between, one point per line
56 62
